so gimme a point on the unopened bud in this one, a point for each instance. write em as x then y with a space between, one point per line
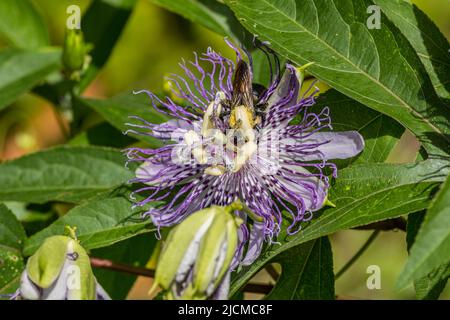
60 270
75 53
198 253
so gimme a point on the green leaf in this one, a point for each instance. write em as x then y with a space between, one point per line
22 25
100 222
430 286
307 272
102 25
118 110
63 174
210 14
363 194
428 41
12 238
376 67
33 217
432 244
11 267
12 234
380 132
135 251
102 134
20 70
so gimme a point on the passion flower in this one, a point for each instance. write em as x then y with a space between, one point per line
232 140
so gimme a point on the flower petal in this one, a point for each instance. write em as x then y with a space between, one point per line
299 182
173 129
157 173
28 290
150 171
255 244
223 289
101 293
334 145
58 290
288 83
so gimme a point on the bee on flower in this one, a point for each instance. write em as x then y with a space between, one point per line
231 140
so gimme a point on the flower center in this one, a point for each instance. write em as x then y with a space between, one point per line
224 150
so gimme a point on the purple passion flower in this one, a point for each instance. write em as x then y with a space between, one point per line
232 140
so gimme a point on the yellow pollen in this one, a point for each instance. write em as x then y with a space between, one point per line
241 117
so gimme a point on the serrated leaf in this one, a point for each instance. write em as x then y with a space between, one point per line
67 174
431 248
363 194
307 272
20 70
380 132
210 14
22 25
102 25
377 67
426 38
430 286
135 251
100 222
118 110
12 238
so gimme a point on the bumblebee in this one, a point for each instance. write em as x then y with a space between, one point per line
245 112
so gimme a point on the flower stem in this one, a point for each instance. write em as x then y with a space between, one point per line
238 205
357 254
150 273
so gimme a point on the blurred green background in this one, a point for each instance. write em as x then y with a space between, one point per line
152 45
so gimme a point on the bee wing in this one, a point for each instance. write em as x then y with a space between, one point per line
242 86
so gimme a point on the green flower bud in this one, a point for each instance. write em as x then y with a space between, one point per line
75 52
60 270
198 253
